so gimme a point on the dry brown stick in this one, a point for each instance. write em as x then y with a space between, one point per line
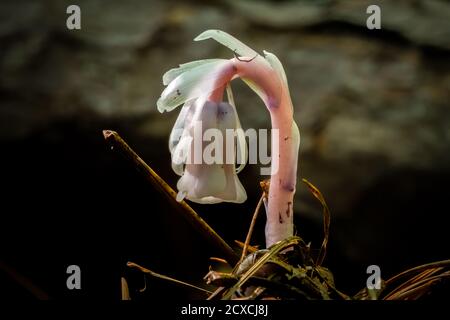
417 285
118 144
424 274
326 221
408 282
250 249
252 226
125 290
443 263
415 293
163 277
216 293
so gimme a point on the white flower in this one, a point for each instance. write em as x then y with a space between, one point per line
200 85
200 181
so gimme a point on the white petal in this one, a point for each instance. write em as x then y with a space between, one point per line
180 153
234 191
275 63
241 195
241 142
201 183
178 128
225 117
230 96
175 72
228 41
191 84
210 184
211 180
208 115
180 196
266 204
295 134
242 149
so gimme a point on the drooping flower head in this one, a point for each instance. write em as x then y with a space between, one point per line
206 175
200 86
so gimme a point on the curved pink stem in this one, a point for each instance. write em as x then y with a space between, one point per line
284 158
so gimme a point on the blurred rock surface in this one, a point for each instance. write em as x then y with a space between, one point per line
369 104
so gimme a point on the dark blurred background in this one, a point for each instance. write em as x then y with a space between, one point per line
372 107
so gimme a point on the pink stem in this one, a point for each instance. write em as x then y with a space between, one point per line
217 95
279 223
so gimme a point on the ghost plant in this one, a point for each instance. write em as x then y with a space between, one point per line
200 86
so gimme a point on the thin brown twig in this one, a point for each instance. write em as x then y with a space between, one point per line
216 293
415 293
250 248
125 290
252 226
326 221
407 283
443 263
414 287
218 260
424 274
117 143
163 277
